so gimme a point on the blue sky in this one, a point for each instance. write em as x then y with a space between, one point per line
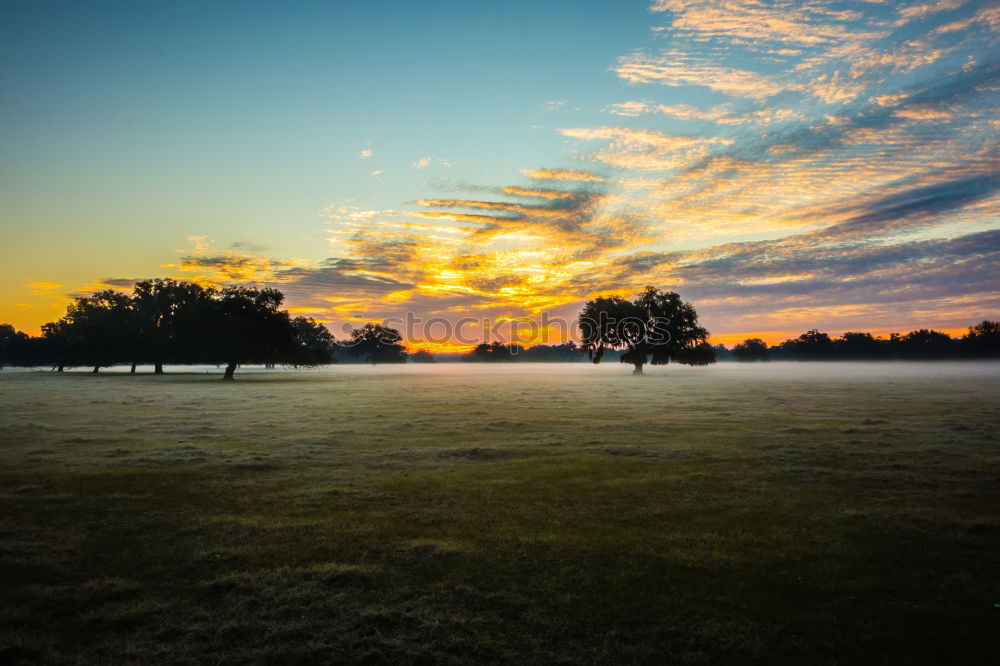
261 108
783 164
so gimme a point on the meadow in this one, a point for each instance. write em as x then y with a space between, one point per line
471 513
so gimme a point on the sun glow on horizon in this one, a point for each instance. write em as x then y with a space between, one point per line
782 167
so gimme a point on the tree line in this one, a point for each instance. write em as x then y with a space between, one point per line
493 352
980 341
175 322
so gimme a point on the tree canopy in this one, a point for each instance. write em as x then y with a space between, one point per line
375 343
168 321
13 345
316 339
493 352
751 349
244 325
170 317
657 327
101 329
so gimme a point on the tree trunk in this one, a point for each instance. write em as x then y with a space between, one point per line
132 371
96 368
158 369
230 369
638 369
60 368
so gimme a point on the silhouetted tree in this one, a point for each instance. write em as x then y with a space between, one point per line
722 354
982 340
751 349
857 345
422 356
927 344
244 325
375 343
100 329
170 316
493 352
55 347
315 337
565 352
14 346
810 346
7 333
657 328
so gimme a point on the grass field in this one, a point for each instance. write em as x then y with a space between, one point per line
781 513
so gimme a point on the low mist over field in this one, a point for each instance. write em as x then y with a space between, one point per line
572 332
667 378
460 512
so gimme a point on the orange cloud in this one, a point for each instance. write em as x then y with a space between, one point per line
563 174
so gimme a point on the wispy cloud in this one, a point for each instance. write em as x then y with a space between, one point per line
563 174
668 70
427 161
722 115
645 149
805 24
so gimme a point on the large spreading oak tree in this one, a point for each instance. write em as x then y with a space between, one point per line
657 327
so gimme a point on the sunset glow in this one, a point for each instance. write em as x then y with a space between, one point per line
783 165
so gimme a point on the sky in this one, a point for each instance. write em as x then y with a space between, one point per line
782 165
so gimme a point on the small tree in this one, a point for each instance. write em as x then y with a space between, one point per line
982 340
375 343
54 348
751 349
492 352
13 346
657 327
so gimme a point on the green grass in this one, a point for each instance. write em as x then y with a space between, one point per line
555 514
